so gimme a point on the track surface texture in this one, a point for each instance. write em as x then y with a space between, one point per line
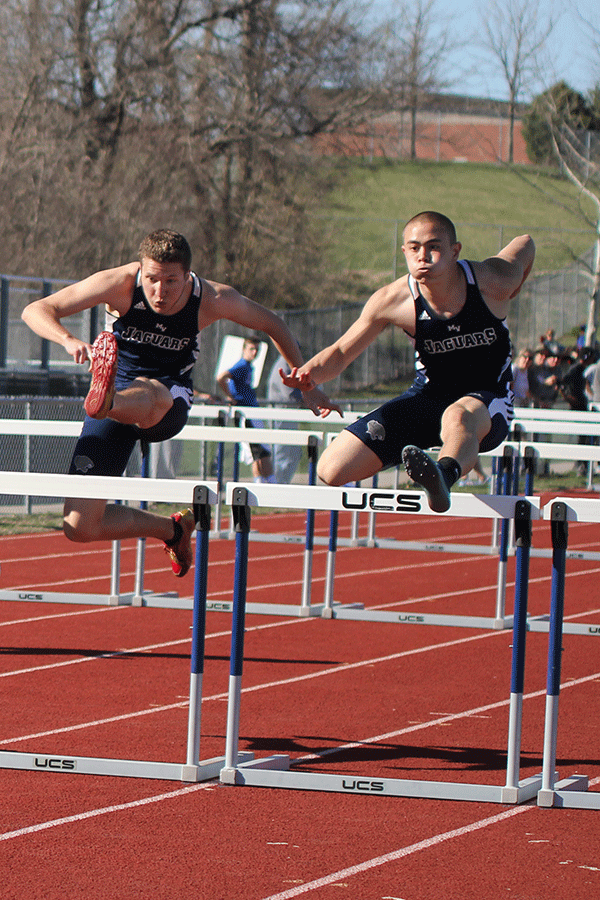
365 699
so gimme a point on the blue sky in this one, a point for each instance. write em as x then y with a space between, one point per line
572 56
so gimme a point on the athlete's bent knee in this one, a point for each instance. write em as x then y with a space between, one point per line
457 416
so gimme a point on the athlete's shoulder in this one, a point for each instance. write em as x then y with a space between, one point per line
393 303
112 287
389 296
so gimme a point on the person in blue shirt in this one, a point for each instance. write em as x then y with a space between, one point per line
236 382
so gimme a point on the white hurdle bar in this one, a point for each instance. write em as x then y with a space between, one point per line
217 434
570 792
407 502
41 484
202 497
274 771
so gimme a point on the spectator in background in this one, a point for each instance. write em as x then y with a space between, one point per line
236 384
286 458
591 373
543 387
548 340
520 373
572 386
581 337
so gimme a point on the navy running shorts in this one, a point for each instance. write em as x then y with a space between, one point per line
415 417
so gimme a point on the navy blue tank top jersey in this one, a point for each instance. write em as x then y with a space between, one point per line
468 352
156 346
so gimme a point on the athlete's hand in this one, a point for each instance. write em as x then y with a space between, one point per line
299 381
320 403
312 396
79 350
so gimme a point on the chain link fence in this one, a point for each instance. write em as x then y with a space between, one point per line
558 299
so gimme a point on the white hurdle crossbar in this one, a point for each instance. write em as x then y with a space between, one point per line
275 771
202 496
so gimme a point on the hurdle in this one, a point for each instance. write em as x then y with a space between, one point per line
545 450
276 770
570 792
193 769
231 434
41 484
558 422
180 492
375 500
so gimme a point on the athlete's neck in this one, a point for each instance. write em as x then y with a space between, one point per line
447 293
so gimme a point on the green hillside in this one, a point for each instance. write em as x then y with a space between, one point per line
365 213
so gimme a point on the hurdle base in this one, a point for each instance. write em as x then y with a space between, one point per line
358 613
168 600
527 789
328 610
204 770
542 624
58 597
272 774
236 774
569 793
149 598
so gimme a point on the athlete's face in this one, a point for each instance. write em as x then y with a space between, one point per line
428 250
164 285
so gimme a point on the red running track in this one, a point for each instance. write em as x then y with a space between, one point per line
359 698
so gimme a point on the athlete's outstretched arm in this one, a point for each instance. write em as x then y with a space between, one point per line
224 302
502 276
384 307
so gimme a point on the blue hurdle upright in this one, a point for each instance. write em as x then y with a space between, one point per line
276 770
570 792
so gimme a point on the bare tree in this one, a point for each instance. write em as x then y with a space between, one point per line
516 31
418 40
572 149
122 115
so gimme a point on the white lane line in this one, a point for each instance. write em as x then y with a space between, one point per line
103 811
451 717
228 562
64 615
258 687
147 648
395 855
441 720
403 852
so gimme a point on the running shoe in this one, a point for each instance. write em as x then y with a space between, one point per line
179 549
104 369
426 473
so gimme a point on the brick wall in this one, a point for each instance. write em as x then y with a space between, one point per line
462 137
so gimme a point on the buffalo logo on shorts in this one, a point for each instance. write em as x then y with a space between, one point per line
376 431
83 464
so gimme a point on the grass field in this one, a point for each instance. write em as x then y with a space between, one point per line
365 213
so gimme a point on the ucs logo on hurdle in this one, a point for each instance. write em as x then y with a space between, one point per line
383 502
54 762
363 784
